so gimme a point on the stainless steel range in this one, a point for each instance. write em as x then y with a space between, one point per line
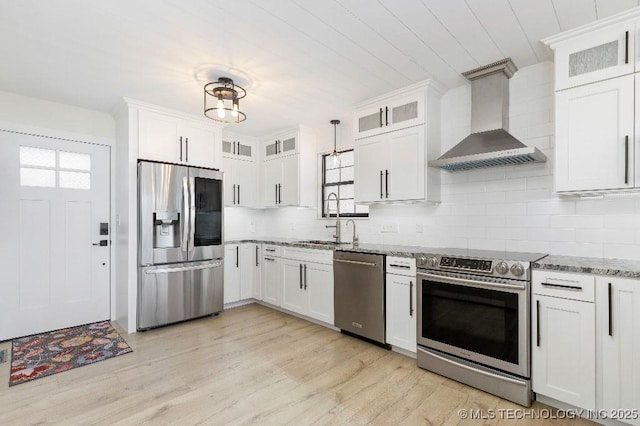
473 319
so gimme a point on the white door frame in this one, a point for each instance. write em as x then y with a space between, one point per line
90 139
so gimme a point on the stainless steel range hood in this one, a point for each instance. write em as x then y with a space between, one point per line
490 143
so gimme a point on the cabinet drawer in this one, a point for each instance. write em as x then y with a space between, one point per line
564 285
271 250
308 255
401 266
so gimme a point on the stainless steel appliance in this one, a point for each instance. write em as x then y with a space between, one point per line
490 143
359 303
180 250
473 319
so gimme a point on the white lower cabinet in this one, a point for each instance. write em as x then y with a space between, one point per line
270 276
563 350
401 303
307 287
586 341
241 275
563 337
232 273
618 312
256 266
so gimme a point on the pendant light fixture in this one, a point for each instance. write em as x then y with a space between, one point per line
226 96
334 158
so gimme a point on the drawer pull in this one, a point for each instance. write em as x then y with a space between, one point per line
392 265
568 287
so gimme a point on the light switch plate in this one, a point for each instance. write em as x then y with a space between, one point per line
390 228
419 228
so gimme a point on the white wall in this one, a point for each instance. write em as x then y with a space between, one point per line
508 208
26 111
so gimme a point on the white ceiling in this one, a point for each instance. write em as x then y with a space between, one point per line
303 61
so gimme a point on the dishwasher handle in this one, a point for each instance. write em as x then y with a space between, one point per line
356 262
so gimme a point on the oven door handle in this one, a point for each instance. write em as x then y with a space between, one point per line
485 373
470 283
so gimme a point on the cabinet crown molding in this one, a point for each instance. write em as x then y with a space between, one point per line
432 86
133 103
628 16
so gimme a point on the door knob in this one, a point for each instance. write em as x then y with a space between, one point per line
102 243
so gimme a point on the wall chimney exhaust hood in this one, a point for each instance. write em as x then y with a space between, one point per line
489 144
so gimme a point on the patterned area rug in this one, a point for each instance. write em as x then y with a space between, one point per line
49 353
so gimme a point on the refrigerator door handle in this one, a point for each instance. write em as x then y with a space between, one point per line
216 264
192 212
185 212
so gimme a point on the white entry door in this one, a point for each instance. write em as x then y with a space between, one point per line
55 196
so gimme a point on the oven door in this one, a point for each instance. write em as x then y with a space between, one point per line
476 319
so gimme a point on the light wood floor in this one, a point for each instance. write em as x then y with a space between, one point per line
250 365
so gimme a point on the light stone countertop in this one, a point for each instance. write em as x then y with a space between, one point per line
588 265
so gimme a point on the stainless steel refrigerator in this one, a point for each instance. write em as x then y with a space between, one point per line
180 243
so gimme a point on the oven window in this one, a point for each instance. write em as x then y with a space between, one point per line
473 319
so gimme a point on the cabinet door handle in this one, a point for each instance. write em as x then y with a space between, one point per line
568 287
610 297
386 115
300 276
186 149
237 256
238 194
276 186
279 193
257 262
380 117
537 323
180 148
234 193
626 47
410 298
381 194
626 159
305 276
386 182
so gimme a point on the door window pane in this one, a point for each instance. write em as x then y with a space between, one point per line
37 177
37 157
74 161
75 180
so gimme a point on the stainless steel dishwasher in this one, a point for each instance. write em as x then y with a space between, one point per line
359 294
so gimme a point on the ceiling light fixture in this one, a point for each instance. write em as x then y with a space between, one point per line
226 96
334 158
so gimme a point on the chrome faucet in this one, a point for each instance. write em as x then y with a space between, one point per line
337 225
355 239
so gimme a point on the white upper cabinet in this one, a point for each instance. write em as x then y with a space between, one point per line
289 170
391 167
239 147
280 144
595 136
391 159
176 139
386 115
595 56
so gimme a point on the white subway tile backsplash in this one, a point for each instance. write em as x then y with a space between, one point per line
508 208
576 221
551 234
559 206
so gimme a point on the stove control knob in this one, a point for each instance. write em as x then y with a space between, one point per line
517 269
502 268
422 260
432 261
